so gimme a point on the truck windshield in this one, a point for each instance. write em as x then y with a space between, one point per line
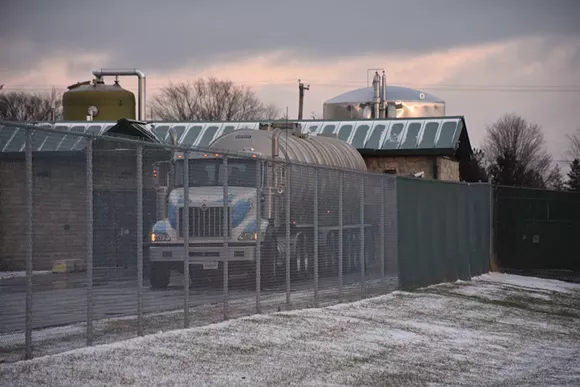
209 172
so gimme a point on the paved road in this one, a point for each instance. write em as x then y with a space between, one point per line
60 299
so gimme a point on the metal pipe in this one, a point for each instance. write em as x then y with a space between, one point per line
340 232
316 258
29 242
89 236
276 143
139 167
384 95
287 229
186 234
141 106
226 231
377 97
362 235
258 234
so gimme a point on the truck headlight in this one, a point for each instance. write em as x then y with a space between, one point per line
248 236
160 237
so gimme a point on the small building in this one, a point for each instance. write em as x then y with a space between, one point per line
59 197
427 148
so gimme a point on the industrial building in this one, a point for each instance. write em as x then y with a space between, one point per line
397 131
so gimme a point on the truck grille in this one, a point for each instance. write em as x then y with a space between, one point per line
205 223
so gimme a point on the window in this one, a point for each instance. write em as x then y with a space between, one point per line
412 135
358 140
228 129
38 138
161 132
178 131
312 128
70 140
209 172
94 130
17 142
392 141
54 139
5 135
208 136
344 132
429 134
191 135
328 129
447 135
374 141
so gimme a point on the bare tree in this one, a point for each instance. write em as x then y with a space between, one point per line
516 153
555 179
28 107
210 100
574 145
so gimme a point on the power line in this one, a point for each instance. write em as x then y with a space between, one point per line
344 84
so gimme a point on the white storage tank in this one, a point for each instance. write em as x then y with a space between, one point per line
401 101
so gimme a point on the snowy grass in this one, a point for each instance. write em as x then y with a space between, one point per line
50 341
20 274
495 330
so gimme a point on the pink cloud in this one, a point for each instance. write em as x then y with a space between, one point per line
274 76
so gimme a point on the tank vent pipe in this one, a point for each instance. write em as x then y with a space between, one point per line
141 105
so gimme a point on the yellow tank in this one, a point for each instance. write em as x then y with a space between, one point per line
104 102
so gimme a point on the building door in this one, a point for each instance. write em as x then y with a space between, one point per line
114 236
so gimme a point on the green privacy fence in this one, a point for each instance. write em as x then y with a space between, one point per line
537 229
444 231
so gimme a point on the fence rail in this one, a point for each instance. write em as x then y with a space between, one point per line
112 246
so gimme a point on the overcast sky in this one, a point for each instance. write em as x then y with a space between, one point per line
433 45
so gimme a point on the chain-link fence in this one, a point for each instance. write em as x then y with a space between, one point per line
532 224
117 237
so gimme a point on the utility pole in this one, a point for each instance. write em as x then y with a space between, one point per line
301 89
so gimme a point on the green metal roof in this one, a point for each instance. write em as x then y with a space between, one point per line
437 135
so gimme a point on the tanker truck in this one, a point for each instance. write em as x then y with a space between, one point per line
269 174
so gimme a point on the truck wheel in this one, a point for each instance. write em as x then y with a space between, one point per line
159 275
268 254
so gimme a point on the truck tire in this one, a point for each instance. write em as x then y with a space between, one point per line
159 275
268 254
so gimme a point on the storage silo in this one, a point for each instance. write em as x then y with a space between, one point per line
100 101
368 102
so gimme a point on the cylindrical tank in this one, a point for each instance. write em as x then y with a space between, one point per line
357 104
309 151
104 102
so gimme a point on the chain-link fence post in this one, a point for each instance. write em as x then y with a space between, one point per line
29 215
316 209
362 235
139 178
258 234
186 233
382 233
340 233
288 242
89 225
226 229
491 228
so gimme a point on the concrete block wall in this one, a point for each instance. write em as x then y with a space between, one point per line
402 165
447 169
59 218
59 204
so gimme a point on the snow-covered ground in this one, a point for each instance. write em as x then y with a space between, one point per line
497 329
